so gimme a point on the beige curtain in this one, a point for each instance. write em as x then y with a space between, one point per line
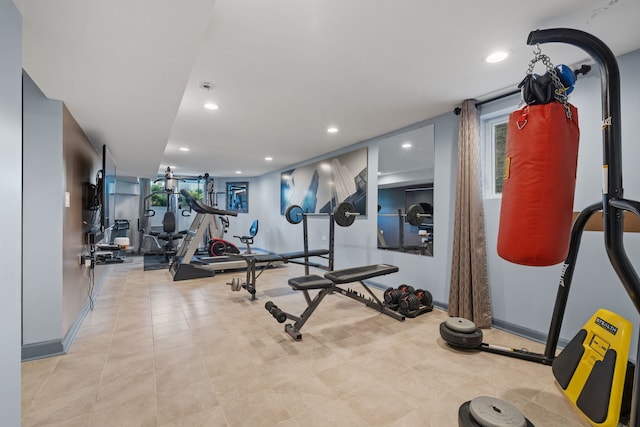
469 289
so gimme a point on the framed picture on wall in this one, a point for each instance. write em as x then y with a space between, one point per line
319 187
238 197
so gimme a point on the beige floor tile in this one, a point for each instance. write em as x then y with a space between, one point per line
155 352
197 397
81 420
179 376
72 403
140 411
34 369
257 409
331 413
210 418
303 393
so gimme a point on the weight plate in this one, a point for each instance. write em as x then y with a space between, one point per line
491 412
235 284
414 215
293 214
465 419
467 340
345 214
460 324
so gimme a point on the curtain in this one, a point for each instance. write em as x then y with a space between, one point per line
469 288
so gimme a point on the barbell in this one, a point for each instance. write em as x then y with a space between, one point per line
415 215
344 215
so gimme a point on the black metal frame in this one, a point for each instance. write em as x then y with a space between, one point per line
293 329
305 232
612 205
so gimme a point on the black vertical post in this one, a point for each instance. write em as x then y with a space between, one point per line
305 231
565 281
332 235
400 230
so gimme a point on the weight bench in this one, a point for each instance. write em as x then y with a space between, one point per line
329 284
266 260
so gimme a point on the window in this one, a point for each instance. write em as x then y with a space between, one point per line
495 140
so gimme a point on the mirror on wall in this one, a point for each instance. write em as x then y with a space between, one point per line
405 178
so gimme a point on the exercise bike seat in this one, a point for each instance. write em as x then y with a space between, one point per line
248 240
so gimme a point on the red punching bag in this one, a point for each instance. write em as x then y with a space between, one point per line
539 183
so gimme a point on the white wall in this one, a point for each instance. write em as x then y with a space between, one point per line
524 296
11 196
42 234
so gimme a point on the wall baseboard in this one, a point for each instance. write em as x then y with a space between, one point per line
41 350
496 323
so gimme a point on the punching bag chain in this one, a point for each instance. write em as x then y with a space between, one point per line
560 91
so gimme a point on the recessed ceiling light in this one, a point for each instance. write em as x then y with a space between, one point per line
184 149
238 172
211 106
497 57
268 158
406 145
332 129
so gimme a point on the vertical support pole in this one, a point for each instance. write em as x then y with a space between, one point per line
332 231
305 232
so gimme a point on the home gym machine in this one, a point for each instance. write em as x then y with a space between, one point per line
587 369
344 215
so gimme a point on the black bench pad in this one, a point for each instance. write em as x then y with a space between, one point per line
264 257
314 252
356 274
309 282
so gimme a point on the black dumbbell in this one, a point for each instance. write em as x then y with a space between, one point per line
425 297
391 296
409 302
406 288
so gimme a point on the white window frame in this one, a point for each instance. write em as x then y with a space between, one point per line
487 135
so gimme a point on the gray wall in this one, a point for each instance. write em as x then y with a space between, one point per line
42 234
58 160
11 195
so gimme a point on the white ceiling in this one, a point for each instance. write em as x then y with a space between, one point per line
283 70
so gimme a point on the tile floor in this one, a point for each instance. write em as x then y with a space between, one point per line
160 353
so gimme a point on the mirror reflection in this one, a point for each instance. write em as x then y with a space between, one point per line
405 179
